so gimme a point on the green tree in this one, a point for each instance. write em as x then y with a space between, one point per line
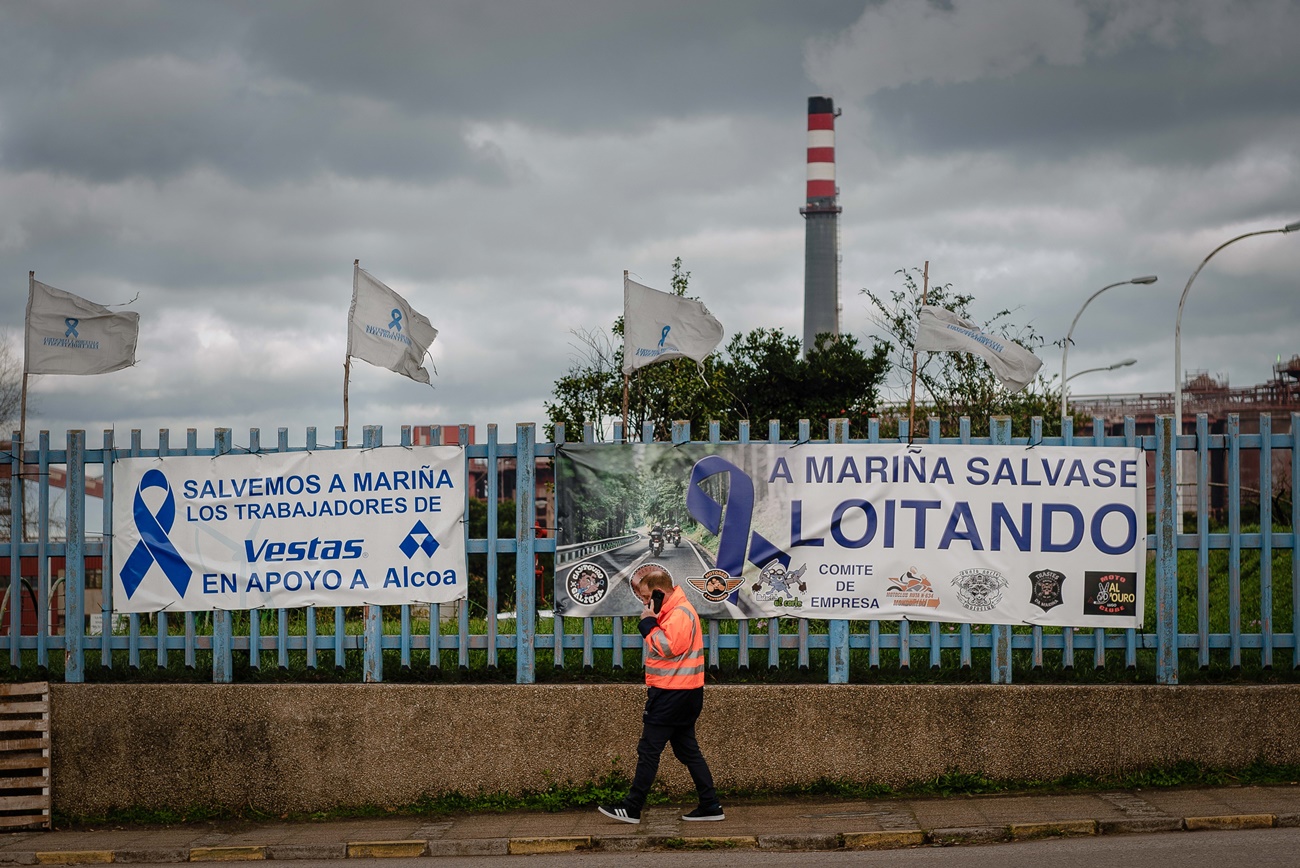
11 383
768 379
951 385
759 376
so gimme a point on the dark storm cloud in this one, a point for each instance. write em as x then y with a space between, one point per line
158 117
266 92
57 43
1153 106
1160 82
573 64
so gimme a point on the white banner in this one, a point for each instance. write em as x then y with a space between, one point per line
931 532
281 530
66 334
658 326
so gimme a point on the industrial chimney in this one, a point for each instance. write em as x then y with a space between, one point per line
821 275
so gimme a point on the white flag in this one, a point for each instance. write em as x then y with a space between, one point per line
66 334
940 329
386 331
658 326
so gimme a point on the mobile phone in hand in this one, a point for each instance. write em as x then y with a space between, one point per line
656 601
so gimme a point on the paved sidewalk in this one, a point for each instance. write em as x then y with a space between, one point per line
802 824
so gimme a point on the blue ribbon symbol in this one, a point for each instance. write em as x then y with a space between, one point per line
154 545
397 319
71 323
731 527
663 337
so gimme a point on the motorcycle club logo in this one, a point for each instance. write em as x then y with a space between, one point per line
912 589
1109 593
779 582
715 585
587 583
979 589
1045 589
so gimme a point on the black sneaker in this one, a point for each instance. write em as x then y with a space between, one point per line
705 815
623 812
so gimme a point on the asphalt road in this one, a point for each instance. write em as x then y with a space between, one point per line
682 560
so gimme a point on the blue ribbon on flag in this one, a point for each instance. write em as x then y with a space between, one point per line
71 323
396 314
663 337
154 545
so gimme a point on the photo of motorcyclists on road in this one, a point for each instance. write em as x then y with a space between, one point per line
623 508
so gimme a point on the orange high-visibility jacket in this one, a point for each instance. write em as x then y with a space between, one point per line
674 657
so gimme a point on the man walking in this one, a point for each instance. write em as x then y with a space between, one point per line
674 676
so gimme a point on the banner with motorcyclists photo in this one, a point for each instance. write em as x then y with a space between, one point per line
1053 535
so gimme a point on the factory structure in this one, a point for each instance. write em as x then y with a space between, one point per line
821 212
1278 400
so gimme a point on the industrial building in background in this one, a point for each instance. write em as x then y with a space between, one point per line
821 211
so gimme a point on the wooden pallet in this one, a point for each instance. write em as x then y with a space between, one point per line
25 755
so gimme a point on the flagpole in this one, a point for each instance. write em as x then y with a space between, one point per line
22 415
347 358
911 412
626 434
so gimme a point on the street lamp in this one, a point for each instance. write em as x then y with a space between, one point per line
1178 326
1178 350
1123 364
1065 349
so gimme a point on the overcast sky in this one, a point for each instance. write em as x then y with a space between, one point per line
500 164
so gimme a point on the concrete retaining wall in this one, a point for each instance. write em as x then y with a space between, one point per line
313 747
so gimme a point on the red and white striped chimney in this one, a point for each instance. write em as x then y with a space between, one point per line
821 150
821 280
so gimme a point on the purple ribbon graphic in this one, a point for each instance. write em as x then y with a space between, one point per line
731 526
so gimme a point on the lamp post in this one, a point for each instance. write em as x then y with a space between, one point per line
1123 364
1065 349
1178 328
1178 352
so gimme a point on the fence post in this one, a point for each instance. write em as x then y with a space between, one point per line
557 622
74 667
493 493
17 520
1295 528
43 552
372 664
1166 553
837 639
1000 634
106 572
525 532
223 662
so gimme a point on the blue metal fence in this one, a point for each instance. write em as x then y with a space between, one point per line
65 540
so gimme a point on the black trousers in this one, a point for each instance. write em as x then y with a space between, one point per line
669 718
